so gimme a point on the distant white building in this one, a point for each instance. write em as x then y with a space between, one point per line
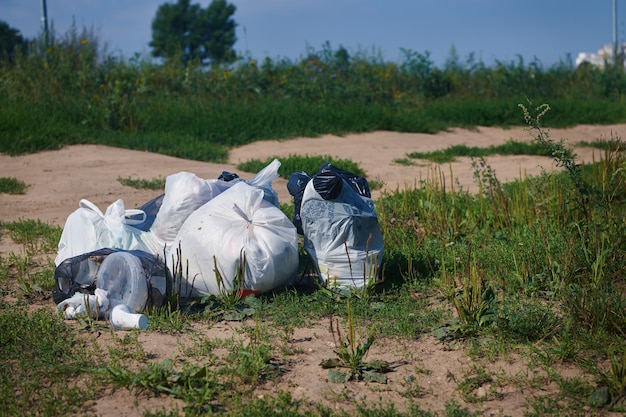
603 55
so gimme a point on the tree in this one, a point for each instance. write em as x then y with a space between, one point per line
194 33
10 41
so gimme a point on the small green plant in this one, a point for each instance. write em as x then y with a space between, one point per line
11 185
473 301
604 144
195 384
232 302
562 156
88 321
249 362
35 235
614 379
126 347
477 377
152 184
40 354
404 162
351 354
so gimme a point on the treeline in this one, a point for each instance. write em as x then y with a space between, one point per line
74 92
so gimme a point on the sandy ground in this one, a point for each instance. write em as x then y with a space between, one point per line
428 372
58 180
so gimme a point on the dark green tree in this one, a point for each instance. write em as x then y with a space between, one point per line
11 40
191 32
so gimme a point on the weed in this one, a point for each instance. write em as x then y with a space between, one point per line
527 320
249 363
126 347
473 301
41 358
195 384
35 235
449 154
233 301
152 184
477 385
201 347
11 185
615 377
404 162
351 354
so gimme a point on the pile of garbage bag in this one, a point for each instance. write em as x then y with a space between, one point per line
121 257
211 236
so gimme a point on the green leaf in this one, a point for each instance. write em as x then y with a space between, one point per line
378 365
336 376
377 305
374 376
331 363
599 398
234 316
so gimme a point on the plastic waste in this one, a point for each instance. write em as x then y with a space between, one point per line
88 229
95 305
239 224
78 275
122 276
184 193
340 227
123 318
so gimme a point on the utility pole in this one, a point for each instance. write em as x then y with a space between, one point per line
44 23
617 50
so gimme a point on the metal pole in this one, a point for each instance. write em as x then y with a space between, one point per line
44 22
615 45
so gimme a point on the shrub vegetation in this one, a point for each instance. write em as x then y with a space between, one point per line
74 91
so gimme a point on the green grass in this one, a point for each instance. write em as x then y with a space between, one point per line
151 184
604 144
297 163
11 185
80 94
511 147
42 361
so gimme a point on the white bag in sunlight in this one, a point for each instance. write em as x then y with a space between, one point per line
184 193
341 232
236 225
88 229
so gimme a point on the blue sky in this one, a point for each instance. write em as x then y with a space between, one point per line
490 29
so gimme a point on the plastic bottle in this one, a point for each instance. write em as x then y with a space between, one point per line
122 318
122 276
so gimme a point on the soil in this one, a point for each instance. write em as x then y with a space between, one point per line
427 371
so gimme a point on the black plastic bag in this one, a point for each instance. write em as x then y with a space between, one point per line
328 182
78 274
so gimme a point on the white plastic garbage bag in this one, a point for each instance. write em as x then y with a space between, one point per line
237 223
263 180
184 193
88 229
342 235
